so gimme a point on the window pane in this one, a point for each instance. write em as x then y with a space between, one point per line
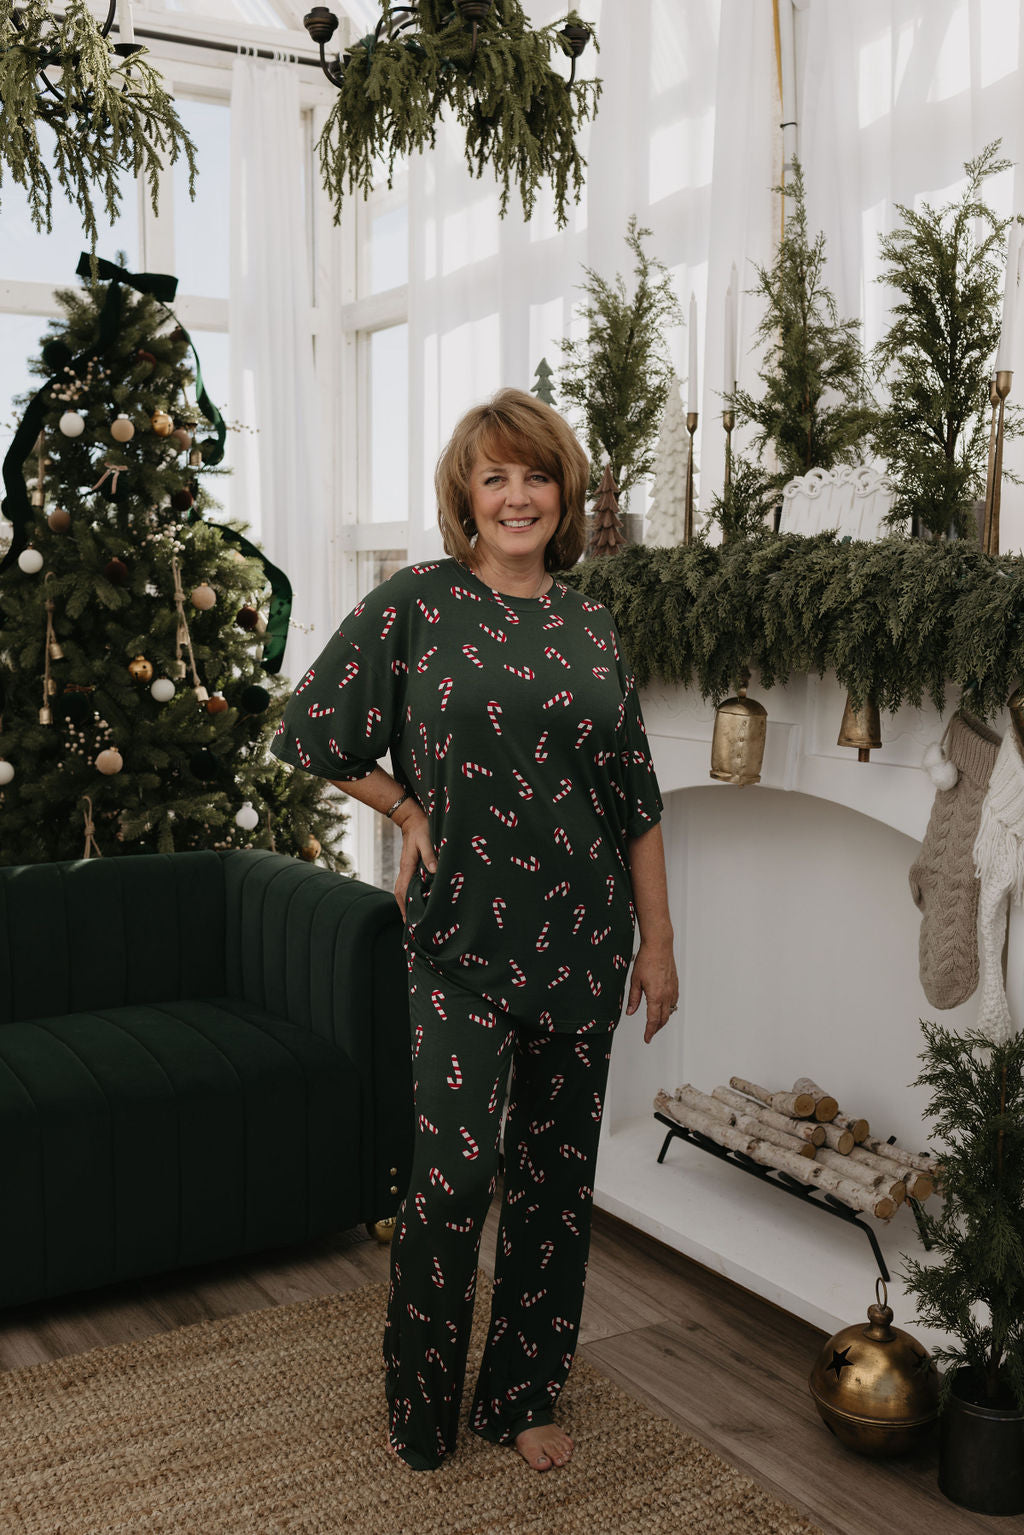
28 256
201 228
214 357
389 424
20 338
388 250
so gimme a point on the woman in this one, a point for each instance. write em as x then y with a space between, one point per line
528 807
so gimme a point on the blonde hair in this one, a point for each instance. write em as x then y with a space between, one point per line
516 427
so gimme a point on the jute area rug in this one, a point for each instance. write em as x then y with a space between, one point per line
273 1424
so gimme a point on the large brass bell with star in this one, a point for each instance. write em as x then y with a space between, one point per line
861 728
737 744
876 1387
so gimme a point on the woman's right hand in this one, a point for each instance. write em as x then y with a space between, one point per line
417 848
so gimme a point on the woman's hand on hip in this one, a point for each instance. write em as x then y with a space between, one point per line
417 848
654 977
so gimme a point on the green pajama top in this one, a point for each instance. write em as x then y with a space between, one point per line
516 723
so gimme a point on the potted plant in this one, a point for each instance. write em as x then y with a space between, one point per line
975 1291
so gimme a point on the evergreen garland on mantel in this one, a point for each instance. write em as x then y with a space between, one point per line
897 620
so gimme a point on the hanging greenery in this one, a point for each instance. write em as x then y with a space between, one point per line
520 115
945 265
814 410
896 620
618 375
109 117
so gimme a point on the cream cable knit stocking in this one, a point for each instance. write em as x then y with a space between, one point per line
942 879
999 861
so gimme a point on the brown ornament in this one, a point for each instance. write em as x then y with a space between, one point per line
310 849
217 704
140 670
162 423
183 437
116 572
122 429
59 520
182 499
204 597
110 761
247 618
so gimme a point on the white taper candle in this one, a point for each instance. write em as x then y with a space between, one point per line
691 377
1004 352
125 25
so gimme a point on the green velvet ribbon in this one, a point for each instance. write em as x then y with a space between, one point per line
280 611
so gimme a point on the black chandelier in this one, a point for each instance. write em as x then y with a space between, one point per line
52 101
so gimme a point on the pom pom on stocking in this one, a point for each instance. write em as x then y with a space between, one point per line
943 773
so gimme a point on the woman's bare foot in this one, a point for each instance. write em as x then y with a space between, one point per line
544 1447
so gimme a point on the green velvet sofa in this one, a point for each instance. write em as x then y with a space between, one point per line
201 1055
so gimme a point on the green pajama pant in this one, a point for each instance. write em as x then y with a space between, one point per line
462 1053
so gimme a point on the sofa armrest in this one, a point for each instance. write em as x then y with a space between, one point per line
325 952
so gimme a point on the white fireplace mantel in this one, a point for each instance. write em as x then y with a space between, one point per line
797 948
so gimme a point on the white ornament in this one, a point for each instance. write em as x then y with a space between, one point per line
204 597
247 818
30 561
72 424
110 761
6 772
943 773
163 690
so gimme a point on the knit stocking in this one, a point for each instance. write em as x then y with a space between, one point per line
942 879
999 860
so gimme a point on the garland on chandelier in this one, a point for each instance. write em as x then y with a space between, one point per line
520 115
896 620
110 116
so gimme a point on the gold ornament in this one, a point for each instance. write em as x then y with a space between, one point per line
876 1387
122 428
860 728
162 423
310 849
110 761
140 670
737 744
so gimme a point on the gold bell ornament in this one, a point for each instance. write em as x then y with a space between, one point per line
737 744
876 1387
861 728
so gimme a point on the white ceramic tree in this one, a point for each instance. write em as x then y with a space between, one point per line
667 509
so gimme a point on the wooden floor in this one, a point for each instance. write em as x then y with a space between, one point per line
726 1366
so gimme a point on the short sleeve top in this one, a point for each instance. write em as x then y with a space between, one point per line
516 723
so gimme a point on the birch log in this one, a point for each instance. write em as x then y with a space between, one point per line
858 1128
838 1139
750 1123
803 1129
766 1155
881 1179
920 1186
798 1105
922 1160
825 1106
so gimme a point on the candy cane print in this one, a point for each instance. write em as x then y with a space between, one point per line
372 718
414 1311
423 738
389 616
485 1020
302 754
529 1349
518 978
478 844
425 1124
525 672
531 864
514 1391
506 817
494 713
595 1112
454 1077
564 787
562 888
542 938
424 660
562 837
568 1217
619 961
506 1242
601 672
461 1226
436 1177
470 769
566 1150
557 1083
579 912
472 654
609 880
600 643
562 1324
351 671
496 634
430 614
279 731
595 847
450 932
399 666
437 997
599 937
437 1277
492 1102
545 1020
538 1129
420 1201
563 697
529 1300
455 885
556 655
419 1040
433 1356
566 1361
444 687
499 1329
596 801
539 753
546 1250
441 747
554 622
498 906
319 712
307 679
602 757
581 1051
423 570
584 727
423 1387
561 975
525 792
462 592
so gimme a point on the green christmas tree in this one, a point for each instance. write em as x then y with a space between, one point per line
814 410
945 266
136 708
542 382
618 375
975 1291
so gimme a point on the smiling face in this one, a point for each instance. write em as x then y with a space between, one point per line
516 508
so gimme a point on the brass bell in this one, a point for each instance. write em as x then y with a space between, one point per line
46 715
876 1387
737 745
56 650
861 728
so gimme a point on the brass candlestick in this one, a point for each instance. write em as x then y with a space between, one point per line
728 422
998 390
691 427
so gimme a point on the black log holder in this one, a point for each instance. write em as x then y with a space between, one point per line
816 1198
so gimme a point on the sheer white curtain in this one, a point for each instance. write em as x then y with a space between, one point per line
897 95
684 138
277 486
